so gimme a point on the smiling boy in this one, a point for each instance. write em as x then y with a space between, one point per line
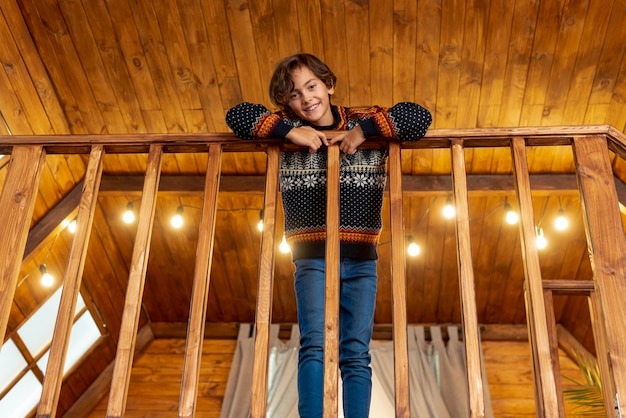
302 86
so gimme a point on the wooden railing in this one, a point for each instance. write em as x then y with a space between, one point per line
602 221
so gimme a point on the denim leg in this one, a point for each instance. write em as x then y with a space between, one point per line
357 303
356 319
310 293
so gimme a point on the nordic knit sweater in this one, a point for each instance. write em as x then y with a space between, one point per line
362 175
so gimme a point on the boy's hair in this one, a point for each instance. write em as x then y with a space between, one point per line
281 84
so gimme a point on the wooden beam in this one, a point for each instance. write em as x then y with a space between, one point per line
398 284
487 183
467 286
546 398
607 246
17 201
51 223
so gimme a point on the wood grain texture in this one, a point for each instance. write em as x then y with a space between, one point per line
140 70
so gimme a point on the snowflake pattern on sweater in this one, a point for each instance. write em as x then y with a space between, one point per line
362 175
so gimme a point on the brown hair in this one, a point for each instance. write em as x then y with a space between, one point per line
281 84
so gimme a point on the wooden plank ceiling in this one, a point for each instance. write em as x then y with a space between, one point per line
169 66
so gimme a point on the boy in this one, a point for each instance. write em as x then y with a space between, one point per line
302 86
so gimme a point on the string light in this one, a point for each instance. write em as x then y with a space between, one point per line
448 210
72 226
259 226
413 249
541 239
177 219
47 279
129 215
561 223
510 215
284 247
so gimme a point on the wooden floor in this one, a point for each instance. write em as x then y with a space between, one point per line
156 377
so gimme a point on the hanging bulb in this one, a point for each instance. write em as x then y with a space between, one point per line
511 216
72 226
47 279
540 240
413 249
561 223
177 220
284 247
129 215
259 226
448 210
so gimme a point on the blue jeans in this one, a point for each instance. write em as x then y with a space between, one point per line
356 321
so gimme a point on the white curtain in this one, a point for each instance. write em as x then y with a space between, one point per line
438 387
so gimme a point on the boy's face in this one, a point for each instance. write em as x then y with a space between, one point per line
309 98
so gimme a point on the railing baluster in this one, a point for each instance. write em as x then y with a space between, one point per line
265 287
136 282
469 315
398 283
331 331
71 285
545 390
201 281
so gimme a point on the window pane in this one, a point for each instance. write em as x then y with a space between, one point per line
85 333
11 363
37 331
20 400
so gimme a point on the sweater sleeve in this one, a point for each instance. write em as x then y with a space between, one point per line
406 121
248 121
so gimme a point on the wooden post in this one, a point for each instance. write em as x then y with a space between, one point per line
469 315
545 390
608 383
71 285
17 202
134 292
201 281
607 251
331 323
265 287
554 348
398 283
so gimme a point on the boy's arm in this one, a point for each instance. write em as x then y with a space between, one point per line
250 121
406 121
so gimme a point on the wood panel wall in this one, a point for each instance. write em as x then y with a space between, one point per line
156 377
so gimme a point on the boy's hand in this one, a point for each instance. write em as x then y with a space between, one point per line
308 137
349 140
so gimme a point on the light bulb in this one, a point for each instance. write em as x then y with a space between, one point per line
541 240
511 216
47 279
129 215
177 220
561 223
413 249
448 210
259 226
72 226
284 247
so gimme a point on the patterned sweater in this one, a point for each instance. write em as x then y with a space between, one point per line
362 175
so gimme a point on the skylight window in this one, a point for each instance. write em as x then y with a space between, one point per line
36 334
12 363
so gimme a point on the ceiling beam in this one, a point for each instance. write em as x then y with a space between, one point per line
488 183
52 222
113 185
